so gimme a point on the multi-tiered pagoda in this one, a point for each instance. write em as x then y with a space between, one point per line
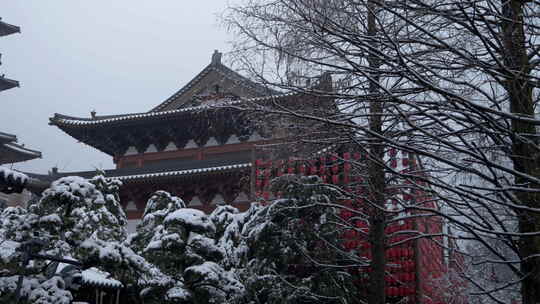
195 144
10 150
7 29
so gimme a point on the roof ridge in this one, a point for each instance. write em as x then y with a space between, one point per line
182 89
225 71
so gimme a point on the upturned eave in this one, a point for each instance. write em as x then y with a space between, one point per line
14 153
6 83
8 29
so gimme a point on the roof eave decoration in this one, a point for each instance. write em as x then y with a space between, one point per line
166 175
184 173
8 29
65 120
6 83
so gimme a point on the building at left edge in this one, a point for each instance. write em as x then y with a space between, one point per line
12 183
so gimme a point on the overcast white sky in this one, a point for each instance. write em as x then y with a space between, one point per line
112 56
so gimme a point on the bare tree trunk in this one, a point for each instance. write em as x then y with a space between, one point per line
525 155
376 180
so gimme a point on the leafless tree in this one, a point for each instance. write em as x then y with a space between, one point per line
455 82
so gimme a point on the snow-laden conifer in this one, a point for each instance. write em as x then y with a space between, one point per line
289 251
181 242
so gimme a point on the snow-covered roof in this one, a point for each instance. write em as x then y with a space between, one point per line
11 152
18 148
183 172
91 276
65 120
12 181
9 174
60 119
96 277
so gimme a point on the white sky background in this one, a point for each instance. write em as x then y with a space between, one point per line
112 56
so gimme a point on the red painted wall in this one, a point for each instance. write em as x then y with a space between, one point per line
416 266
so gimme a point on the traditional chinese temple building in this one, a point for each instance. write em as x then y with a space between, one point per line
195 144
200 145
10 150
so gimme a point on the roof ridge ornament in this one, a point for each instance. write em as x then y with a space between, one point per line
216 57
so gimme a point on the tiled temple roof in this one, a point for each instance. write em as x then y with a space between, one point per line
178 104
224 72
189 172
11 152
60 119
164 170
65 120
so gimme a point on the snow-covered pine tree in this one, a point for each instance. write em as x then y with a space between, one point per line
292 250
77 219
74 209
180 242
16 228
229 223
85 221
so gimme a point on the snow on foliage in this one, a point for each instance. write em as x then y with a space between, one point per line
180 242
192 219
180 254
36 289
87 208
229 223
14 176
72 212
119 259
288 251
50 291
